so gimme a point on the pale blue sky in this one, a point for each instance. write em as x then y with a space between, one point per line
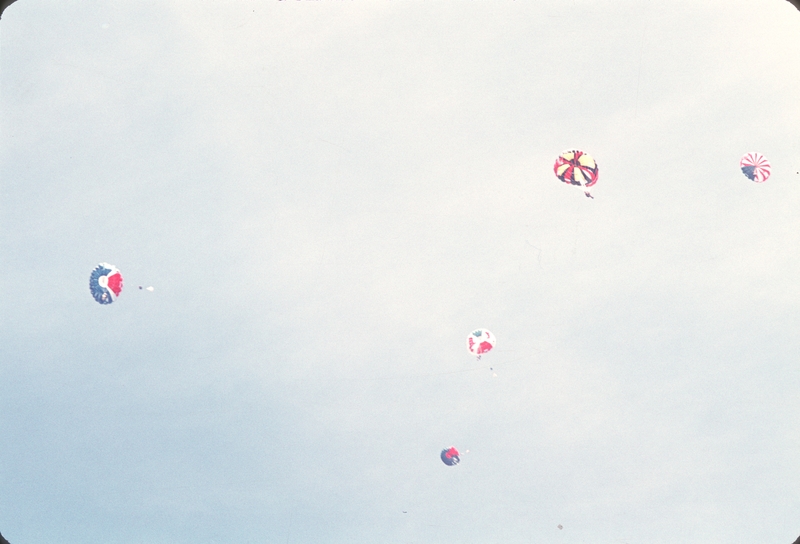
328 197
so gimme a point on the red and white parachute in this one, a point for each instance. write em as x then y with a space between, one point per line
576 168
756 167
480 341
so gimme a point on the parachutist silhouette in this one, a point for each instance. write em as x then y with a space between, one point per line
588 195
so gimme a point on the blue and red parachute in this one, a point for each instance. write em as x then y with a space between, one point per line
450 456
105 283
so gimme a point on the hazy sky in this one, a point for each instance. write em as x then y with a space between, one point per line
327 198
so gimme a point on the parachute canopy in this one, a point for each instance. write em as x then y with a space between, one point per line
105 283
576 168
3 5
480 341
756 167
450 456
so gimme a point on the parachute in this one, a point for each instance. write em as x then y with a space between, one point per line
3 5
755 166
576 168
450 456
105 283
480 341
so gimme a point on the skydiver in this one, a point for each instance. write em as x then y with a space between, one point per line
588 195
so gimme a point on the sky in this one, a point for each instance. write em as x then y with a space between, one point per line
327 198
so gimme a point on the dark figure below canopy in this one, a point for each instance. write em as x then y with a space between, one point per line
450 456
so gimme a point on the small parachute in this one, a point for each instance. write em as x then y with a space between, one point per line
576 168
3 5
756 167
450 456
480 341
105 283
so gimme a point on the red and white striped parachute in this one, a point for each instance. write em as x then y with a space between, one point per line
576 168
756 167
